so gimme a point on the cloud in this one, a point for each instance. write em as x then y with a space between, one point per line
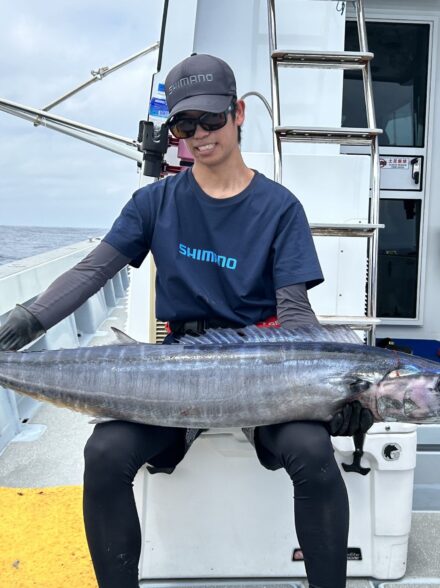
46 178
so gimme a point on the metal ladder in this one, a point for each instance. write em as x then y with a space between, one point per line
342 136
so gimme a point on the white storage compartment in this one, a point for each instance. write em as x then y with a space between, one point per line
222 515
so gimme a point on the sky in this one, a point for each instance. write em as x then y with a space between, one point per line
46 49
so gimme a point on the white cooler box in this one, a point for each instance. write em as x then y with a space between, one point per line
222 515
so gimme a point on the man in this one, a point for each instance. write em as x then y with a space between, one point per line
232 248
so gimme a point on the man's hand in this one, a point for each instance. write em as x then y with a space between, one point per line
21 328
353 418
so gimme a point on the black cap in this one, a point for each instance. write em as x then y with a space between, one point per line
200 82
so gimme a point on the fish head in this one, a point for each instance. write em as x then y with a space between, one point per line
410 393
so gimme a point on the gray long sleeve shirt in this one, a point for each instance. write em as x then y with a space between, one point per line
75 286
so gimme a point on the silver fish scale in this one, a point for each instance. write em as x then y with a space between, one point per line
247 377
189 387
252 334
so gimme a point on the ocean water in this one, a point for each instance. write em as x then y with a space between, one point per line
20 242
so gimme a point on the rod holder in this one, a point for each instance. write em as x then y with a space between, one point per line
154 146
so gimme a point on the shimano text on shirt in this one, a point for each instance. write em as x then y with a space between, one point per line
209 256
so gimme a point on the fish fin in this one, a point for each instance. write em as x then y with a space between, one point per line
252 334
123 338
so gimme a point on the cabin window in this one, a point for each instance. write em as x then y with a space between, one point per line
400 89
400 73
398 258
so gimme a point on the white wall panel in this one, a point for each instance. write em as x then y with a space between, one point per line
238 33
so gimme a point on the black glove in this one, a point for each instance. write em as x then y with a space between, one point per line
353 418
21 328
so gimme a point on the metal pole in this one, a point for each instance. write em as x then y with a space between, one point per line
100 74
159 57
162 34
14 108
274 91
366 72
125 151
373 246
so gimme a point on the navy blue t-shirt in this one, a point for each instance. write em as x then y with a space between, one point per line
222 258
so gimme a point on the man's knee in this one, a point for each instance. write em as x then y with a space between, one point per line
303 448
97 450
101 458
120 448
110 453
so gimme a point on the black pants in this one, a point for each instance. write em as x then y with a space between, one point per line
117 449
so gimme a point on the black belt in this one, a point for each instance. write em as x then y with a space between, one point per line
198 326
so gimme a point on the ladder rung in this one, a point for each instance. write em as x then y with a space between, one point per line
344 229
342 136
361 322
322 59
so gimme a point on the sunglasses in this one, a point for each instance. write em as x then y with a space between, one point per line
184 128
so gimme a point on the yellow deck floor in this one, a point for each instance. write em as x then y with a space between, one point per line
42 539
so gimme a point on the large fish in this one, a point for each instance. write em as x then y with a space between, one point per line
227 378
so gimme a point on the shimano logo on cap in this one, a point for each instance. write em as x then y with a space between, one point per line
189 80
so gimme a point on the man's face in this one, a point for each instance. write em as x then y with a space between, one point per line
215 147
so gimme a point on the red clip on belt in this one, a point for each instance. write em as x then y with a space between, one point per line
271 321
